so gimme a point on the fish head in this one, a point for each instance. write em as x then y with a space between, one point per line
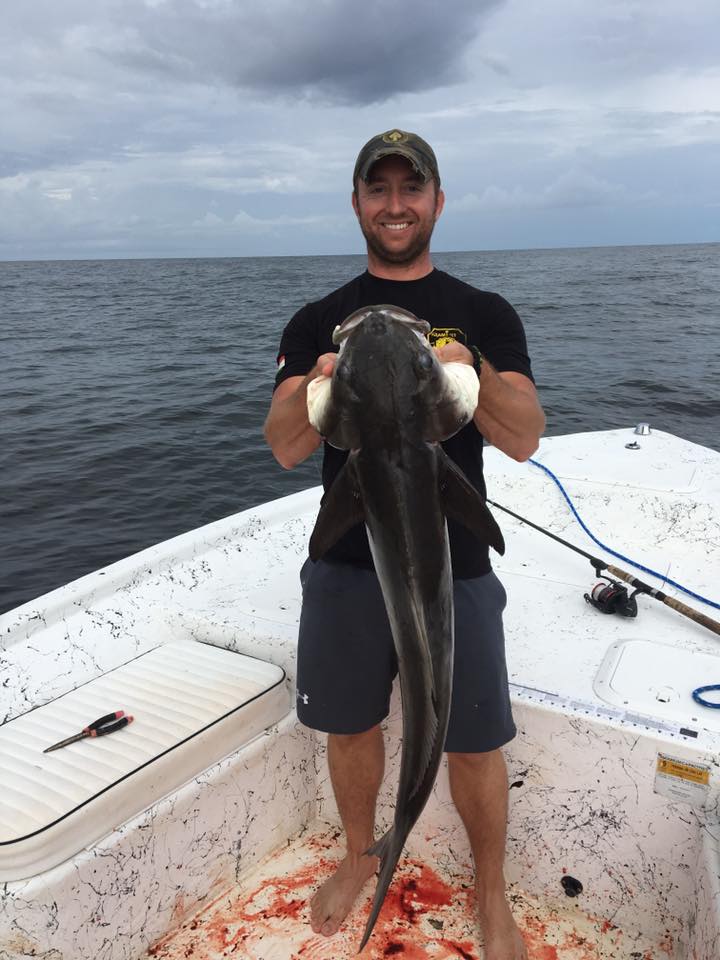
387 373
382 349
387 382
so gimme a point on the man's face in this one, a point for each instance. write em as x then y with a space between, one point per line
397 210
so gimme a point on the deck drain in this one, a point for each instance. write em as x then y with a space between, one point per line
571 886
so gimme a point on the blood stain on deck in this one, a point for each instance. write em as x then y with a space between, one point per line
425 916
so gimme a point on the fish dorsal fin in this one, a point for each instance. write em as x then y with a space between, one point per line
341 510
462 502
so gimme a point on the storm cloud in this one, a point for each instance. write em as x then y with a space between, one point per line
337 50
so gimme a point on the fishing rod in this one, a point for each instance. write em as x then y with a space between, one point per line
614 599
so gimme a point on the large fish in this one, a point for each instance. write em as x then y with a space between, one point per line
390 401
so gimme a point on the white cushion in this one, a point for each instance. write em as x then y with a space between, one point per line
193 704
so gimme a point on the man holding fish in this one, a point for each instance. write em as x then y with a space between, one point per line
377 593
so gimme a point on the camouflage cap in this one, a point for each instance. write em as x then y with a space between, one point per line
397 143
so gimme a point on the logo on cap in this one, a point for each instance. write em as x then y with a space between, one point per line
395 136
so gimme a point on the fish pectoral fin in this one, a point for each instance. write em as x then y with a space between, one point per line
341 510
462 502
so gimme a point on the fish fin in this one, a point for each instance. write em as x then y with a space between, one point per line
462 502
428 748
389 852
380 847
340 510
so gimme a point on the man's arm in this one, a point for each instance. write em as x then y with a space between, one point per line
508 413
287 429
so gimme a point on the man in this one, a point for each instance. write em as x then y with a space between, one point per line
346 660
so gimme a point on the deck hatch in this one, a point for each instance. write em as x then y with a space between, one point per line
657 679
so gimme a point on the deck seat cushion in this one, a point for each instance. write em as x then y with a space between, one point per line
192 704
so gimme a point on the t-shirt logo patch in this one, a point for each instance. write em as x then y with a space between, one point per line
281 363
439 336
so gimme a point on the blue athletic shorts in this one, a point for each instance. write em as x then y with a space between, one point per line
347 663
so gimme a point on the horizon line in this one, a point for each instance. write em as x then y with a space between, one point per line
295 256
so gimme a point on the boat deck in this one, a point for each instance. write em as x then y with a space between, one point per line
614 771
428 915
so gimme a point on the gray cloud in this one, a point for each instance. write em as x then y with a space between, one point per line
336 50
573 188
132 127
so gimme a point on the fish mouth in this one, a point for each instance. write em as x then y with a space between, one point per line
353 321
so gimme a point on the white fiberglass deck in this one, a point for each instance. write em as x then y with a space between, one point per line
429 914
658 505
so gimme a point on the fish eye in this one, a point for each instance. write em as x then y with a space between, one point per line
424 361
342 370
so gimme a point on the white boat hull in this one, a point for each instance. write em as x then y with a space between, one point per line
589 798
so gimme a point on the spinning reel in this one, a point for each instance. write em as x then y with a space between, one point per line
610 596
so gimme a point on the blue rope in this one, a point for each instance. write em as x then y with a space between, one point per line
697 696
620 556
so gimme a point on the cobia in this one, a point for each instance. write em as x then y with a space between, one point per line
390 402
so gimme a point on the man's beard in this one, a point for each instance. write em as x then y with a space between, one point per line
408 255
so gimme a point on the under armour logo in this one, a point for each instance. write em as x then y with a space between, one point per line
304 697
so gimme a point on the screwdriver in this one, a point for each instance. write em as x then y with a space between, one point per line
98 728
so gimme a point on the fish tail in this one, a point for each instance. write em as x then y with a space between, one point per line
389 850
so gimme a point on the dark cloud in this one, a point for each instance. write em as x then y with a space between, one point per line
336 50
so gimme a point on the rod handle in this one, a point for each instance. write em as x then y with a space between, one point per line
678 605
695 615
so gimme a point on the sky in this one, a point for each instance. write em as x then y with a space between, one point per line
166 128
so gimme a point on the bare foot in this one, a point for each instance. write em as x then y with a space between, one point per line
501 938
335 898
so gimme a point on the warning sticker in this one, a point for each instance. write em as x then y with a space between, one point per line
682 780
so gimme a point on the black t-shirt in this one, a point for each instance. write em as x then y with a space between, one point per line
455 311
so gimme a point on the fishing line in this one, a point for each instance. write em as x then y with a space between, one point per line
620 556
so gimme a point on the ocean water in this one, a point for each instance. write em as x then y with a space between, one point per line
134 392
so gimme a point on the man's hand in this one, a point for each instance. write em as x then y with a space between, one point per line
288 431
325 364
508 413
454 352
